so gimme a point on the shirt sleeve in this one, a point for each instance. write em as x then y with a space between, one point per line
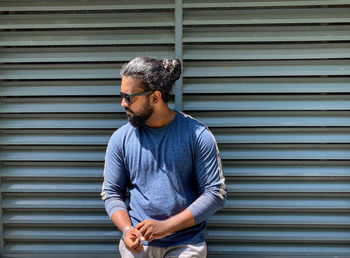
210 178
115 178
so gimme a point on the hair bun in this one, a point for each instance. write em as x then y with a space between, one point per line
173 66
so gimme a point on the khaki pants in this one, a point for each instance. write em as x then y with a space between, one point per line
181 251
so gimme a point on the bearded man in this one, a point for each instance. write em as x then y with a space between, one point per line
169 162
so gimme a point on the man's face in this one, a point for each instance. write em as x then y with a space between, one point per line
140 109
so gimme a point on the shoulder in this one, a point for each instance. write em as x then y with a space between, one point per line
119 135
193 124
199 129
122 131
202 136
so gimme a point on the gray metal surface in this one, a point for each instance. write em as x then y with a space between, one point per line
254 3
179 53
273 51
79 5
270 79
86 37
88 54
94 20
266 34
266 16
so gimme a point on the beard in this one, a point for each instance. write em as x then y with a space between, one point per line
138 120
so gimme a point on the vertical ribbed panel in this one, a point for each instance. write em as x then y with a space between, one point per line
270 78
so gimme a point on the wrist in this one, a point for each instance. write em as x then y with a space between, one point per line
168 226
126 230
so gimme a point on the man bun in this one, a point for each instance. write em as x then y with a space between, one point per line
173 66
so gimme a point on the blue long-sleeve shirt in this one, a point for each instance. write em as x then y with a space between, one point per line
166 170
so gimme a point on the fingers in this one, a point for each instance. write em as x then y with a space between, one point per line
151 229
134 233
140 236
142 228
140 225
145 229
133 240
135 246
147 233
138 249
149 237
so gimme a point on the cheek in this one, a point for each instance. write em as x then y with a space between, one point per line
134 109
140 107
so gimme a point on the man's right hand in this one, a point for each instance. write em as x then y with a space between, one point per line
132 240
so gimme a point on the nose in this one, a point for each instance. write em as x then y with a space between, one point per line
124 103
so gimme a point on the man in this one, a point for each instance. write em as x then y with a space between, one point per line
170 163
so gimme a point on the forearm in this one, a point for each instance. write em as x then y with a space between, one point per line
206 205
121 219
180 221
152 229
114 204
202 208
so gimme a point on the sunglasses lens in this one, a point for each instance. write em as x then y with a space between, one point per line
126 97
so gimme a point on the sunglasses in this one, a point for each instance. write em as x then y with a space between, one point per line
128 97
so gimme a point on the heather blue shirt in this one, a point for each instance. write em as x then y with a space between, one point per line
166 170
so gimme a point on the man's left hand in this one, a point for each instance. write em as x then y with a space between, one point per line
152 229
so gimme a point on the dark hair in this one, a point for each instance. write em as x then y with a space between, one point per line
155 74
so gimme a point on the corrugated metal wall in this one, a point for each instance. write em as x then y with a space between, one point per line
271 79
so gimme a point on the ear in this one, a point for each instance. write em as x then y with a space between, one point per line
156 97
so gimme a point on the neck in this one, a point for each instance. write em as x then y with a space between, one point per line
161 117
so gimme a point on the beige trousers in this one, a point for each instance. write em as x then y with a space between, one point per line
181 251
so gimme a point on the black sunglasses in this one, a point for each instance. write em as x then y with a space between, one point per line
128 97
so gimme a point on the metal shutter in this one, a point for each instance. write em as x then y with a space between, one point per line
270 78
